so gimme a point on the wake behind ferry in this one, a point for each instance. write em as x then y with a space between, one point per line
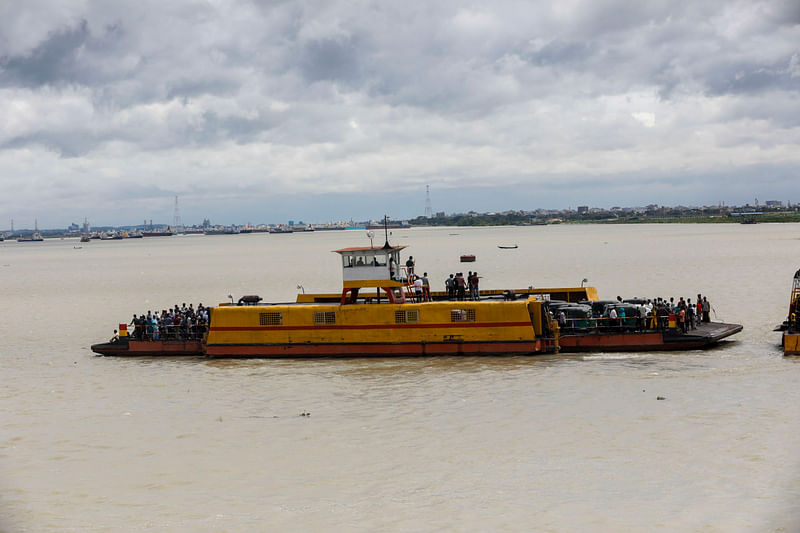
379 312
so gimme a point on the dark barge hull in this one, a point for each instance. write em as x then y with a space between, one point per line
704 336
133 348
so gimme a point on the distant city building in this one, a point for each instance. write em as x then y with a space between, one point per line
774 203
583 209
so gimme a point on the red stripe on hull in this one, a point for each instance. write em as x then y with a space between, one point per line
374 326
376 350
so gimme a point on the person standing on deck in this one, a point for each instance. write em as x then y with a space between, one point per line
699 311
426 287
448 285
461 286
410 266
473 287
690 313
612 318
418 288
706 310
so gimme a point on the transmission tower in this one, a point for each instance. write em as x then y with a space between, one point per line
177 225
428 208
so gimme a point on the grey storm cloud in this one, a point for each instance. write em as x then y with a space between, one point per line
322 98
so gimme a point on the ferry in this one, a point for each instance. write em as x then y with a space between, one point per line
374 315
377 313
791 326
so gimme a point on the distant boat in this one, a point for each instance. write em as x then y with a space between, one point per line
158 233
513 247
467 258
36 237
85 238
391 224
227 230
281 229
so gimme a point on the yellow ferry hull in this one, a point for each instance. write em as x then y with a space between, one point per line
791 343
410 329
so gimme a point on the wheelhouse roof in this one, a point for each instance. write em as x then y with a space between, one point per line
368 249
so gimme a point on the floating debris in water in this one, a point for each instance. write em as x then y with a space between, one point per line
305 414
660 398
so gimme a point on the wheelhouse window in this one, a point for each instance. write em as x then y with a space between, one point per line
364 260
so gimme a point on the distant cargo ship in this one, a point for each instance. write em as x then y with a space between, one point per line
158 233
391 224
36 237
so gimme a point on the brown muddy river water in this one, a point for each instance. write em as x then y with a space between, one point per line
544 443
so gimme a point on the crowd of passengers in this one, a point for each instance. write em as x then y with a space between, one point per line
462 288
179 323
634 314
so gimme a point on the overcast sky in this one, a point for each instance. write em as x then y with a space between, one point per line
262 111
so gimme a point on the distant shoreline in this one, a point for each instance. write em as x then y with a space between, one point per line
759 219
524 220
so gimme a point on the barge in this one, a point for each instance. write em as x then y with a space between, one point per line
671 339
378 313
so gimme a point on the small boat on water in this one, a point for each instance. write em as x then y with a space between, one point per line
507 247
790 341
467 258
